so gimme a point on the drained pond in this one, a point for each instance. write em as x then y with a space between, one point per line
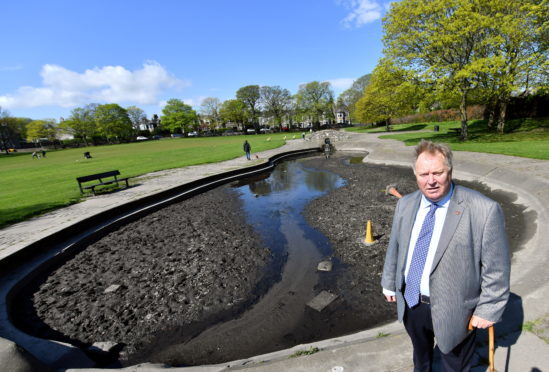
234 272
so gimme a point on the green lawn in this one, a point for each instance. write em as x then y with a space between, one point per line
528 138
34 186
30 187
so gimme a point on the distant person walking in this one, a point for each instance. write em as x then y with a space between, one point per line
43 153
34 155
247 149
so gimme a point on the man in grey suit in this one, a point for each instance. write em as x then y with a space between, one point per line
447 262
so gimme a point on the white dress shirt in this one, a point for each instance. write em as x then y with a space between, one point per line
440 216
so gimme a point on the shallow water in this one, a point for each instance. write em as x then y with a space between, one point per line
279 200
273 204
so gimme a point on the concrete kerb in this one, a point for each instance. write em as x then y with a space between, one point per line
367 350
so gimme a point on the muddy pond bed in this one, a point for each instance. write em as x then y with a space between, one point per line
203 281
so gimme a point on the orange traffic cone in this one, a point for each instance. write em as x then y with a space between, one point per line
391 189
369 240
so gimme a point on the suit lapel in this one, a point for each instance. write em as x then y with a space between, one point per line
453 216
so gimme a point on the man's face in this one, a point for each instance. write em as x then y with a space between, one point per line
433 176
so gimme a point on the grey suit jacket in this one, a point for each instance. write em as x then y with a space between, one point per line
471 268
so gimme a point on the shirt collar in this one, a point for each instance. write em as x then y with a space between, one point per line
425 202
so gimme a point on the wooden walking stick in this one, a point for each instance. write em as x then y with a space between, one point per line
490 343
491 347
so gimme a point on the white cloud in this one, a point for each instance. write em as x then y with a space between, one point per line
66 88
341 83
360 12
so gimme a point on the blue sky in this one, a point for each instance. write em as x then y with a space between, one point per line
62 54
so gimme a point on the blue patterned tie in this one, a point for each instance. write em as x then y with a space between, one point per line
413 280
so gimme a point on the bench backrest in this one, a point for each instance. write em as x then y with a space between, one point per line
97 176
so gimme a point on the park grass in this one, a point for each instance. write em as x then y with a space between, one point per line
528 138
31 187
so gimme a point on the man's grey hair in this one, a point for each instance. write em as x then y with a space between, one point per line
433 148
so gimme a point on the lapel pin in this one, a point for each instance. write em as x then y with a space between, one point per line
457 213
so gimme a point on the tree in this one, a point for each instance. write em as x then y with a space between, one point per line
81 124
178 117
514 52
251 97
348 99
5 130
113 122
315 99
390 93
438 39
37 130
137 117
459 45
209 108
276 102
233 110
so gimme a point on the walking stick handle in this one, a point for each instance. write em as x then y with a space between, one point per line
490 343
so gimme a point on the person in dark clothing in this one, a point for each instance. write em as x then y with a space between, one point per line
247 149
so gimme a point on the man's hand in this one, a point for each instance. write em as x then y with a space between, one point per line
478 322
390 298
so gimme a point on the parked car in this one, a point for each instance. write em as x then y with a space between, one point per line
177 135
141 138
193 134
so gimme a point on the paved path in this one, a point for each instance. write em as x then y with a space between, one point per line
517 350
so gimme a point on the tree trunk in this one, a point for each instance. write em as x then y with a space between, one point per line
501 116
463 112
493 110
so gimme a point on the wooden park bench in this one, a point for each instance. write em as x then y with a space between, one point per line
456 131
105 178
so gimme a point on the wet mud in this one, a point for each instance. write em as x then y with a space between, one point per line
162 288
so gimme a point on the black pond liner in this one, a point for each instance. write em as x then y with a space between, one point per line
73 239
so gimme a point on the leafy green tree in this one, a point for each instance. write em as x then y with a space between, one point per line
42 129
276 102
348 98
81 123
461 45
5 130
514 52
315 99
19 127
233 110
391 92
113 122
178 117
251 97
438 39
